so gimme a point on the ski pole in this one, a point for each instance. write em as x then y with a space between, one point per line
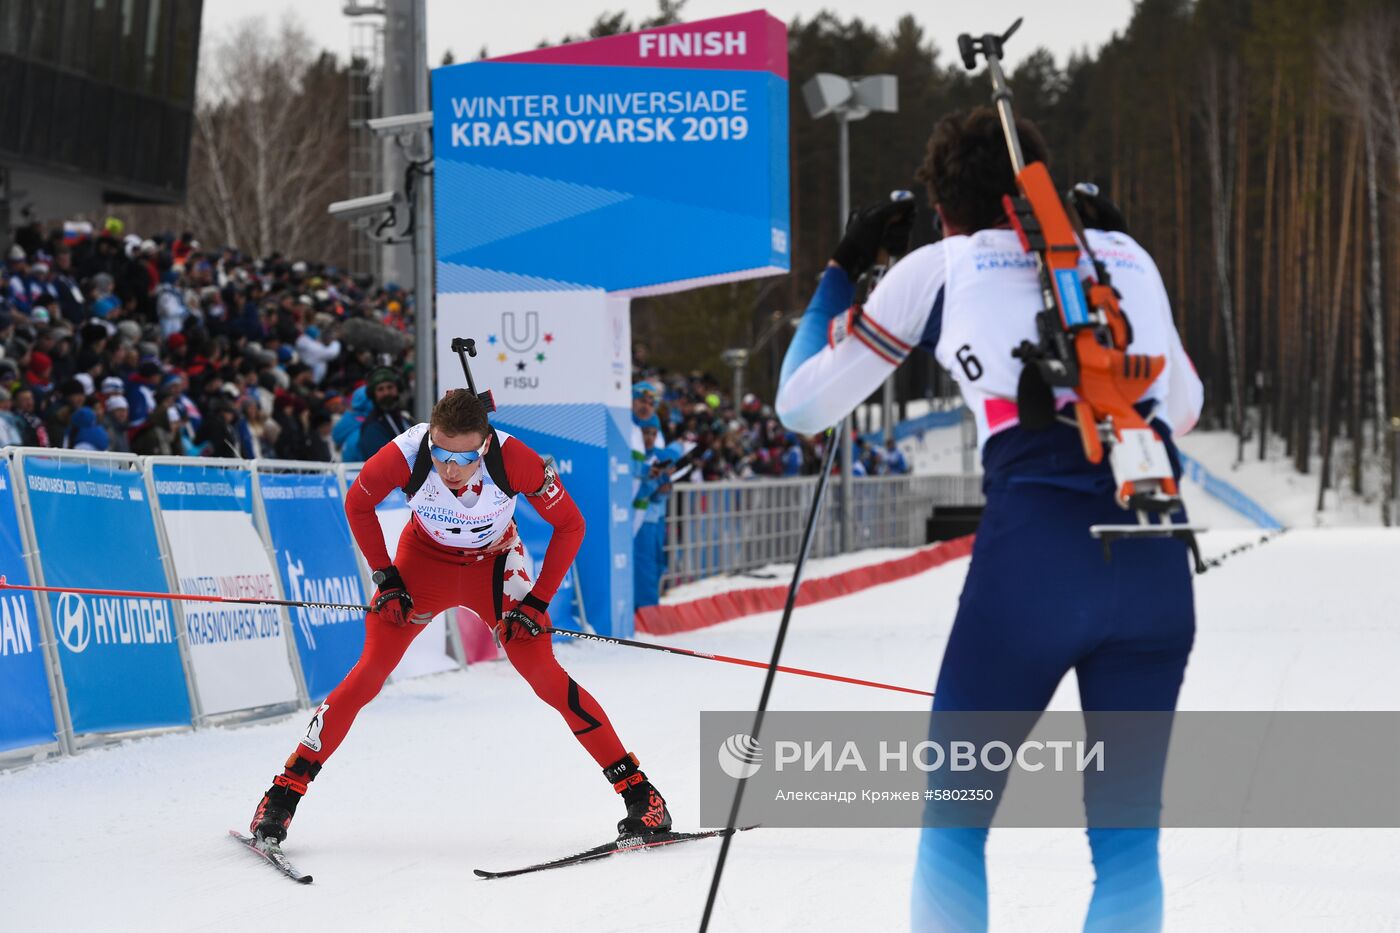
808 533
705 656
189 597
352 607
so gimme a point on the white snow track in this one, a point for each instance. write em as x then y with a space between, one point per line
468 770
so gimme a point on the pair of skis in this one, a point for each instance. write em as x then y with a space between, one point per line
271 852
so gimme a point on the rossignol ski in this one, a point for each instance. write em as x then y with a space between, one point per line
622 844
271 853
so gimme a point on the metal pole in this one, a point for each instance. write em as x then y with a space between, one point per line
264 530
843 149
172 583
1393 491
424 370
425 303
398 94
53 665
887 409
1001 93
968 427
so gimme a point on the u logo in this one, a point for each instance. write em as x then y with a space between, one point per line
511 336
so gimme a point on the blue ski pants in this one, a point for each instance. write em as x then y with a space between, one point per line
1039 601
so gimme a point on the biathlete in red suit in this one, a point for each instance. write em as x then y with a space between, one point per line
460 549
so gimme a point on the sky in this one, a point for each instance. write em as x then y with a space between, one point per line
1062 26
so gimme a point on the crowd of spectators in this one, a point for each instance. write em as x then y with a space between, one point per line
159 345
112 341
738 441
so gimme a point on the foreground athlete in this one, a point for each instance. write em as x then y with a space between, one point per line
1039 599
460 548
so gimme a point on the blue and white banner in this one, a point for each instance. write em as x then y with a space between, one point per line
560 368
1196 471
639 163
26 709
119 655
238 652
315 555
569 180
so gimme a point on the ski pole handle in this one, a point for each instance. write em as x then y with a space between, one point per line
465 347
990 47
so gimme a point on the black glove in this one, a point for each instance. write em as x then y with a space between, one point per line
1095 210
524 617
391 600
868 230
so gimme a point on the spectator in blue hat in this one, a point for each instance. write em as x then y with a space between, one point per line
141 392
17 265
893 462
84 433
317 350
170 305
792 455
644 398
653 487
67 293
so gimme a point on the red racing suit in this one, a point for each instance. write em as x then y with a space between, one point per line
487 578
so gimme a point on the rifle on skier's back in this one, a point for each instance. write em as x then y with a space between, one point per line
1083 336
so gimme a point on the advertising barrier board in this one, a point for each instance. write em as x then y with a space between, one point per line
119 655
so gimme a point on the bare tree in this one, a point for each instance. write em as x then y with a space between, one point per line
267 148
1218 112
1357 62
270 141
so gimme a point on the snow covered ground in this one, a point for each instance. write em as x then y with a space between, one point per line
1290 496
779 574
940 450
455 771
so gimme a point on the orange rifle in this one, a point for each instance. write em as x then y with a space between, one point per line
1084 335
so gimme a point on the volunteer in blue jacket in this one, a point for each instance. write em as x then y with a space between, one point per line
648 521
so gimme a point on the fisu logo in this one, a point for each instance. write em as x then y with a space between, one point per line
529 348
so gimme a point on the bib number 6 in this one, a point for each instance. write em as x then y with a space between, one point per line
971 365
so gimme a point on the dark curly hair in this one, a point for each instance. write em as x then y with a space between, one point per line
460 412
967 168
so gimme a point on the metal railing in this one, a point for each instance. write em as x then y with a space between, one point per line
729 527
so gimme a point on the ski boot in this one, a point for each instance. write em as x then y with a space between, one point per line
646 808
279 804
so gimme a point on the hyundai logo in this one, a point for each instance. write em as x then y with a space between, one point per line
71 621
